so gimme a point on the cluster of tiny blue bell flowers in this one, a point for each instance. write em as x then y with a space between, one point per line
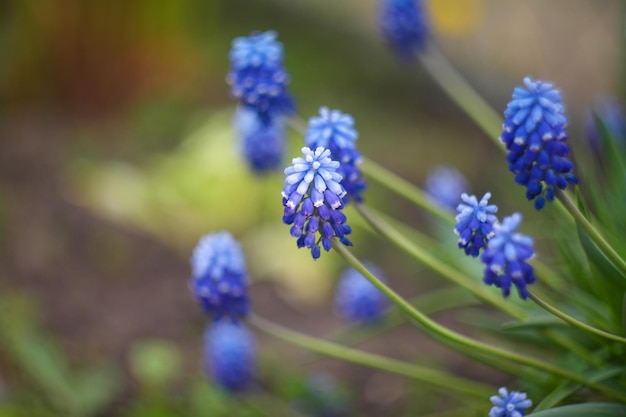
506 257
219 278
257 77
335 131
444 185
534 134
357 300
229 355
262 145
219 282
404 25
312 197
505 404
474 223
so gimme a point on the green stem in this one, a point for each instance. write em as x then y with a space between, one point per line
436 378
436 265
571 320
463 343
462 93
612 255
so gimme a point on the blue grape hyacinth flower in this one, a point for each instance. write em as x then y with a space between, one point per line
405 26
444 186
474 223
506 257
507 404
219 279
257 77
534 134
357 300
261 145
258 49
611 115
335 131
312 197
229 353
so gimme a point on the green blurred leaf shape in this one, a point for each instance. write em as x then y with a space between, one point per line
585 410
154 362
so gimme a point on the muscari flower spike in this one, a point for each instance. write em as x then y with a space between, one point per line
507 404
219 278
335 131
357 300
261 145
609 111
229 353
444 185
506 257
312 199
257 77
404 26
474 223
534 134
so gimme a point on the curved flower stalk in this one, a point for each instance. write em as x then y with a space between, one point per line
219 278
507 404
444 186
357 300
312 199
229 355
506 258
405 26
474 223
261 145
335 131
534 134
257 77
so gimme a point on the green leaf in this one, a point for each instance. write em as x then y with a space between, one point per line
585 410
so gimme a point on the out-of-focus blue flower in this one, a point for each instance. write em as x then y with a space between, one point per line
444 186
610 112
261 145
534 134
405 26
335 131
358 300
507 404
258 49
474 223
312 197
257 77
229 355
506 258
219 277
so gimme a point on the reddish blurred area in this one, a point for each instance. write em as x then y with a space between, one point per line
92 60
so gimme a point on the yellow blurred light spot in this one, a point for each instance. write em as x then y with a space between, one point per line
456 17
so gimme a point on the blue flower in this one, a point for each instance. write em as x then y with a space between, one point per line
474 223
509 405
261 145
444 186
258 49
358 300
219 277
534 134
312 199
506 258
335 131
404 25
257 77
229 355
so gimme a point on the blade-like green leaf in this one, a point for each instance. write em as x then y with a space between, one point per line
585 410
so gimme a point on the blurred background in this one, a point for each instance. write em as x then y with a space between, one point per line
118 154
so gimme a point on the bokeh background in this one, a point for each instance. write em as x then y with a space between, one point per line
117 154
